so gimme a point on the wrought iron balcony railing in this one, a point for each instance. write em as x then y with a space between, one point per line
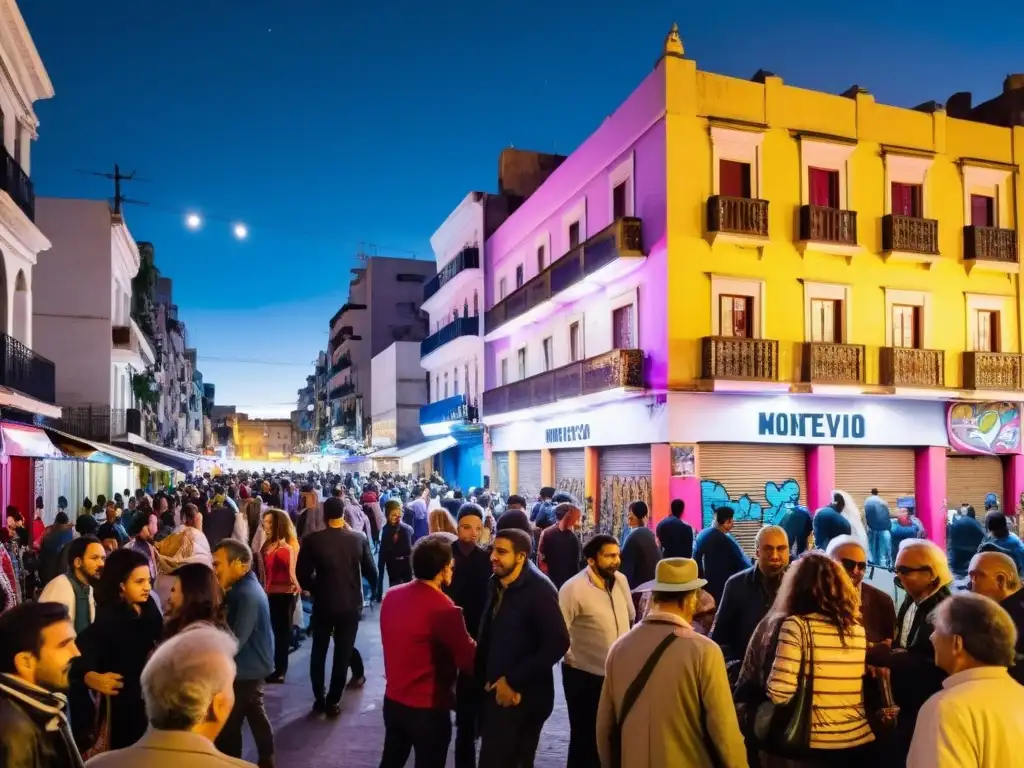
612 370
457 408
100 422
910 367
990 244
910 234
833 363
19 186
467 258
738 215
993 370
828 225
27 372
727 357
457 328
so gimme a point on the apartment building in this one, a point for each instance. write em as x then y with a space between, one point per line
400 391
262 439
828 298
383 307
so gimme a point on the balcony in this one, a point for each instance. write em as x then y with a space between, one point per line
991 248
739 220
18 185
342 390
993 371
726 357
457 329
100 422
908 238
467 258
336 327
344 362
828 230
602 260
26 372
908 367
615 370
451 409
833 363
130 346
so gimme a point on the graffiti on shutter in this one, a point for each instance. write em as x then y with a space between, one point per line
570 469
625 478
501 473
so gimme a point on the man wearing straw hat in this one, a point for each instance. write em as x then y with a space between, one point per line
666 698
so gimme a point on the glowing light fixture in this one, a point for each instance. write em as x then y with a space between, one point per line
240 231
193 221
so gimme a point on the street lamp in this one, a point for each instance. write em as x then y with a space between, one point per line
193 221
240 231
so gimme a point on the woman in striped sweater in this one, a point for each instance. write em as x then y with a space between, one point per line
822 608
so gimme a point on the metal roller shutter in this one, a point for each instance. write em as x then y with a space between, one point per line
771 477
890 470
529 476
500 462
625 477
970 478
570 471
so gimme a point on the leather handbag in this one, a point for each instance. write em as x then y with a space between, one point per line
785 729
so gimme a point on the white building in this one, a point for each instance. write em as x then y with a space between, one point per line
82 310
28 384
400 390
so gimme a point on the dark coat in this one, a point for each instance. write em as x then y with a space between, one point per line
746 599
27 738
469 587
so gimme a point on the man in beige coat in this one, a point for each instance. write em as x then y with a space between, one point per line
187 685
684 715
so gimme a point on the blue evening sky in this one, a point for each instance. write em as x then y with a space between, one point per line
323 124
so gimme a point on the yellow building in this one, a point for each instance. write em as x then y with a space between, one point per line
266 439
825 244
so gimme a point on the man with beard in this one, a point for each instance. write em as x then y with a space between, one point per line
521 638
878 613
37 646
749 594
598 609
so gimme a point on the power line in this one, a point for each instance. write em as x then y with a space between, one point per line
244 361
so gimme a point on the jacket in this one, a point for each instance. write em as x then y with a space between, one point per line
34 731
168 749
60 591
798 527
975 720
249 620
827 524
683 713
876 513
522 637
963 538
219 524
718 557
331 566
468 589
675 536
640 556
1014 605
746 599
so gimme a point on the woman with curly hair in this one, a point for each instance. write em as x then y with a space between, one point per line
278 554
196 597
817 612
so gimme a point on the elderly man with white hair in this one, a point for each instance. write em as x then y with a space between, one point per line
994 575
878 614
977 719
187 685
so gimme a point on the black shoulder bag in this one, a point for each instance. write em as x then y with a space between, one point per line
785 729
632 694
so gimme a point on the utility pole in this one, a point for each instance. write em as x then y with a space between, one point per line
117 177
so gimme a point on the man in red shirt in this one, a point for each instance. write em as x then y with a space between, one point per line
425 643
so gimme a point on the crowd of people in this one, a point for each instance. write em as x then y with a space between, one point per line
146 628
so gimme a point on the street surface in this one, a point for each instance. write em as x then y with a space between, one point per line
356 739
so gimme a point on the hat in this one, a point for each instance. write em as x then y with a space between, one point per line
674 574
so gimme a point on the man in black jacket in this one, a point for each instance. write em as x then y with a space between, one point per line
219 522
468 590
522 637
331 566
37 645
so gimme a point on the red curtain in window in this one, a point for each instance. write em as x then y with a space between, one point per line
982 211
824 187
734 179
905 199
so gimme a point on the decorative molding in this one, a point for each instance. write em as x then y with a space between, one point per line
36 83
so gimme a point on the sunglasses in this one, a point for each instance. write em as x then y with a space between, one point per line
854 565
905 570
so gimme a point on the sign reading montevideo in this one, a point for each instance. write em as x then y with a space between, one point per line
827 426
571 434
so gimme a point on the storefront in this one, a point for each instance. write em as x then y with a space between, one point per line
763 454
499 468
624 474
530 481
570 471
983 438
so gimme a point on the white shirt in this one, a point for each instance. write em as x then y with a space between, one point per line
59 590
595 617
975 721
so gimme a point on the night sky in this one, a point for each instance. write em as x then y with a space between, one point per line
323 125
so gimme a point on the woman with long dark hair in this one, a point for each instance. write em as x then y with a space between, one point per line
279 554
195 597
117 644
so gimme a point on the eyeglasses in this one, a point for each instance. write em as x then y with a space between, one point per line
906 570
854 565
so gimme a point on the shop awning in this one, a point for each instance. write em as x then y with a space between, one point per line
102 452
418 452
24 440
79 448
179 461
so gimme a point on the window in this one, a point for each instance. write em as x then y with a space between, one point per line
406 277
521 360
575 342
736 316
827 321
906 326
983 211
987 331
428 390
502 288
823 184
619 200
455 382
906 199
549 353
519 276
733 179
540 259
476 304
574 234
18 145
504 372
622 328
467 379
446 384
465 307
437 387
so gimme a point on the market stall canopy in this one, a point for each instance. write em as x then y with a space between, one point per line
28 441
180 461
114 454
77 448
412 454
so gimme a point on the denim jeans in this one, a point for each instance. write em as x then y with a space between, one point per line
880 544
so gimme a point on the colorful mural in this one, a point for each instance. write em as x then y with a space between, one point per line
779 498
987 428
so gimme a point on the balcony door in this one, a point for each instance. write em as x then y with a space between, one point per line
906 199
734 179
823 185
622 328
736 316
906 326
826 321
983 211
987 331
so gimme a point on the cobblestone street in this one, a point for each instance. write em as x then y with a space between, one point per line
356 739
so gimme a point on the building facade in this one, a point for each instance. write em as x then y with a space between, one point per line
262 439
654 358
400 390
